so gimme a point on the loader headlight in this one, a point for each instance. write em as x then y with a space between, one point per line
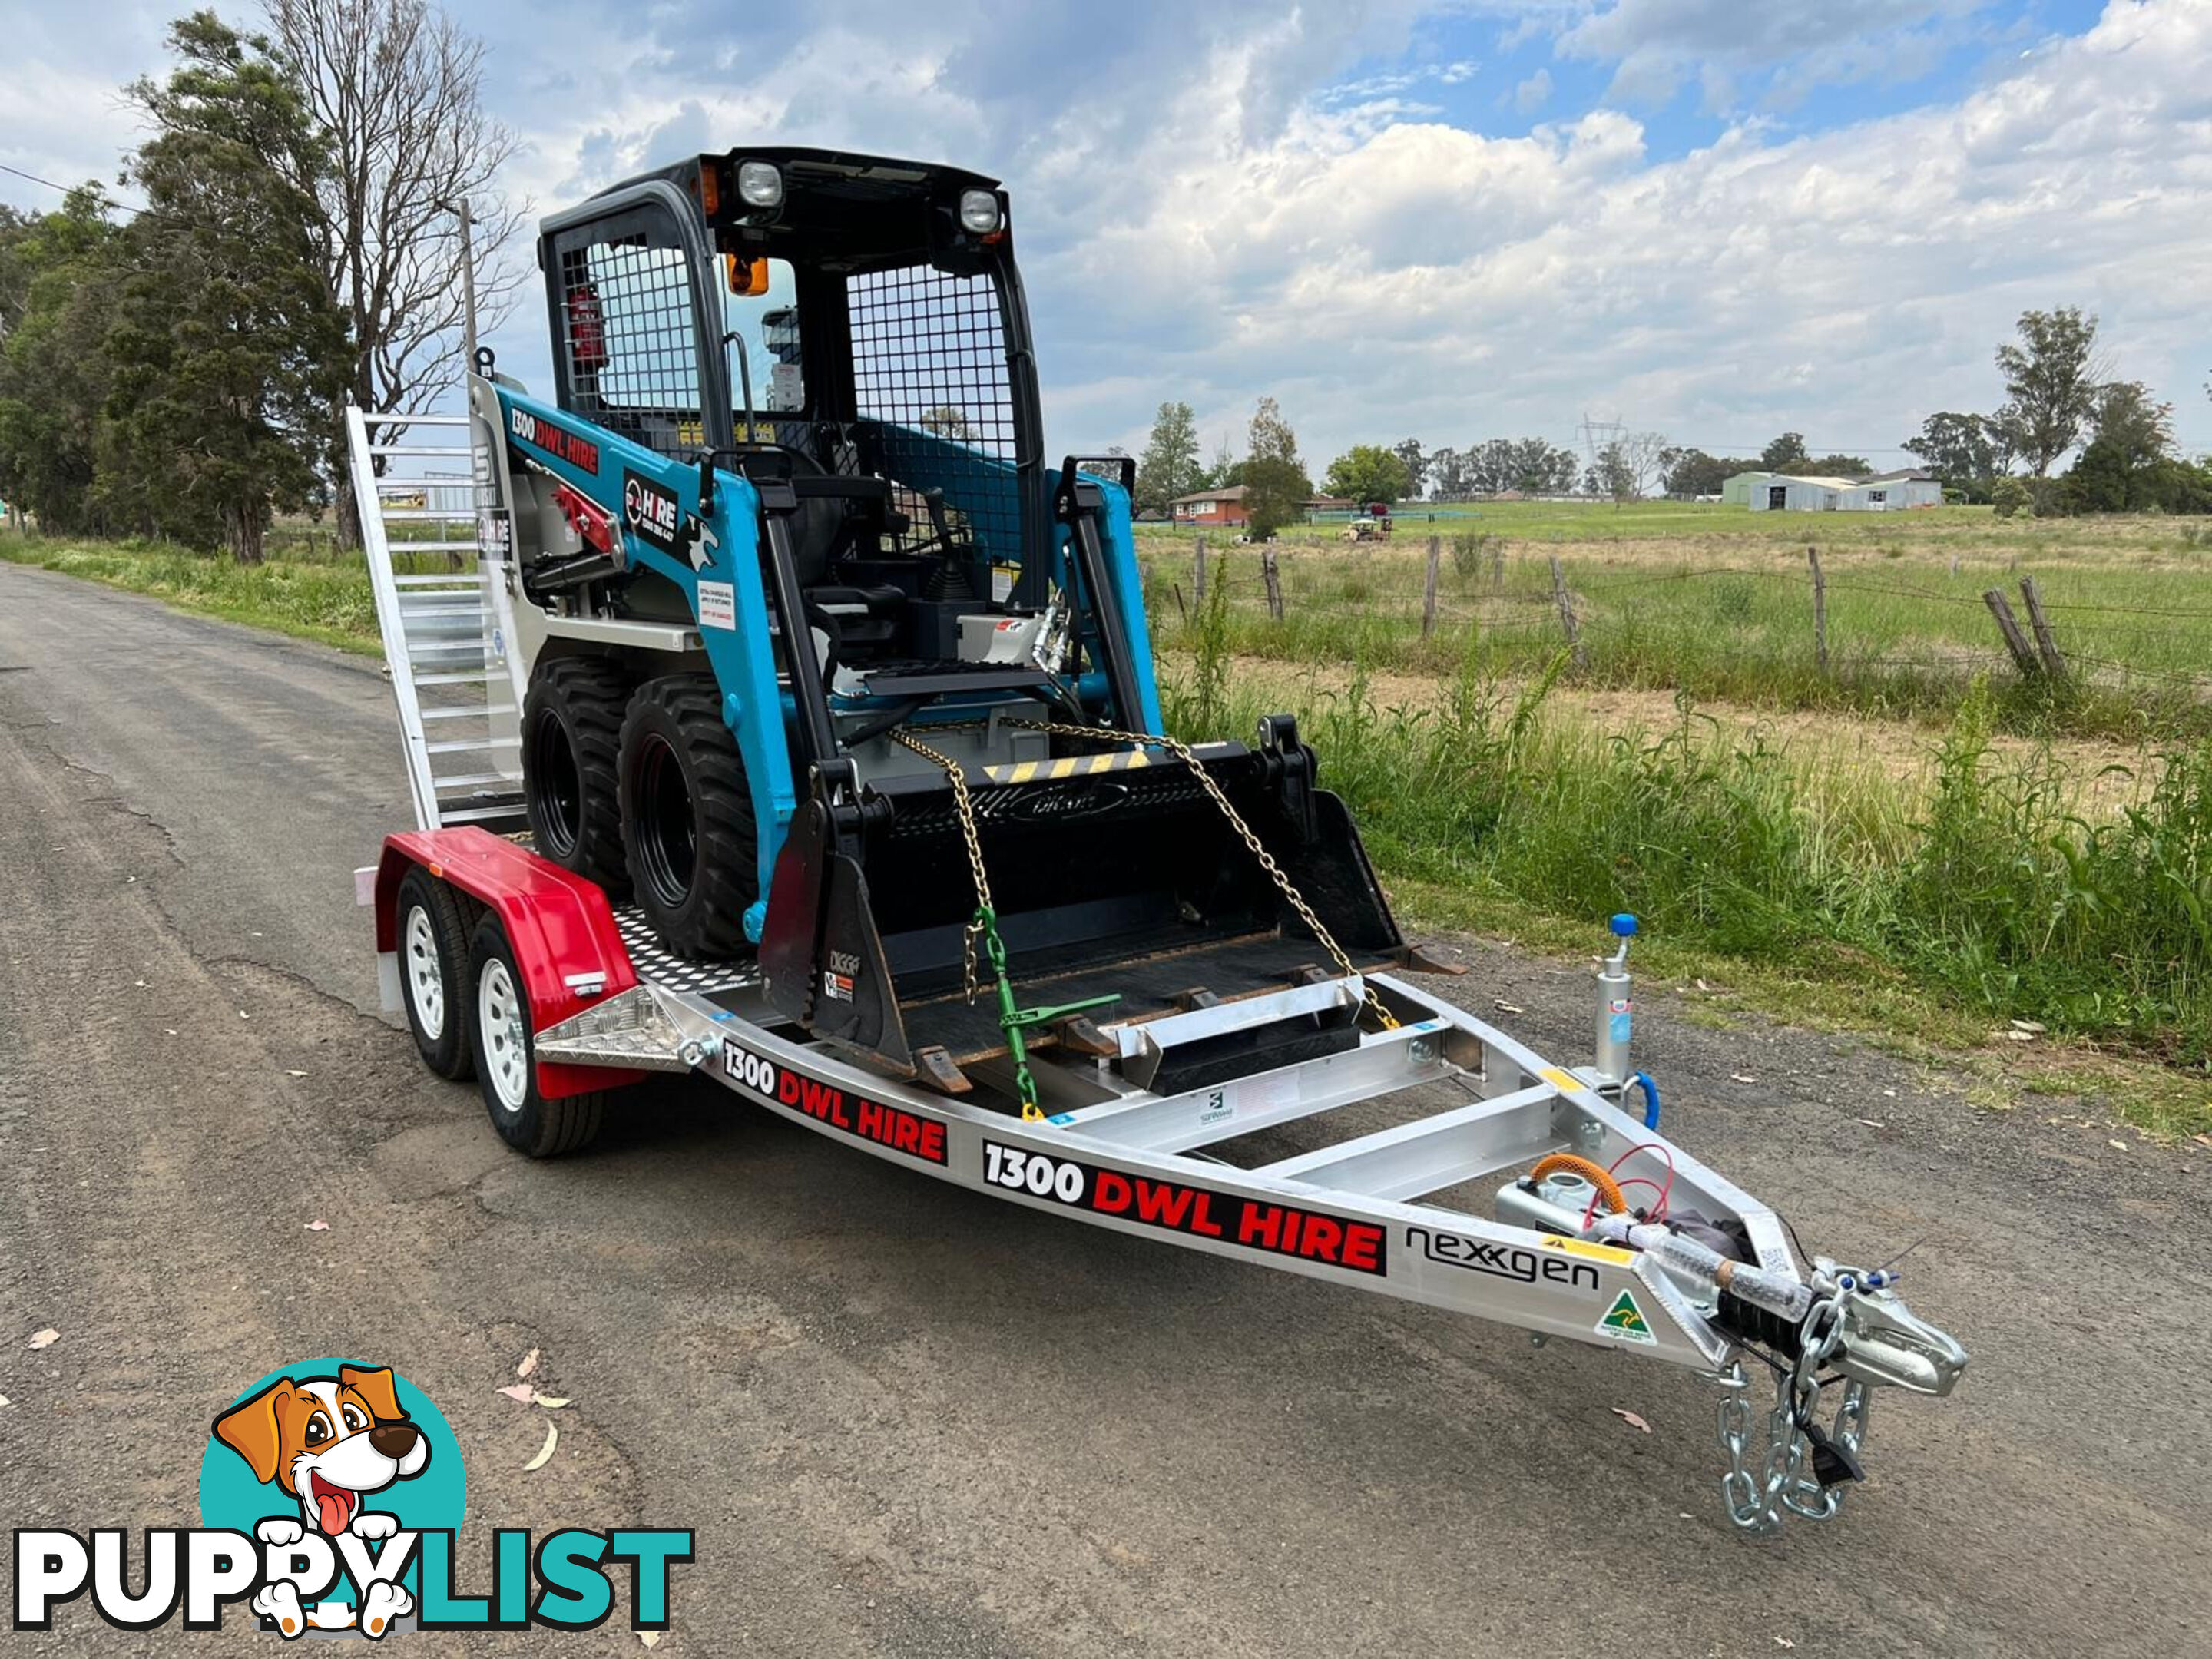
979 212
760 184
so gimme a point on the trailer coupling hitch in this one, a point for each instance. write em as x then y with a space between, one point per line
1860 1328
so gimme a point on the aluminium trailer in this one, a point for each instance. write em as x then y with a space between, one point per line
570 1000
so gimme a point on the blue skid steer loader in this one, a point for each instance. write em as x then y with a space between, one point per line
829 665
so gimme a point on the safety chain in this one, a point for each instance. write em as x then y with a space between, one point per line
1383 1016
965 808
1755 1503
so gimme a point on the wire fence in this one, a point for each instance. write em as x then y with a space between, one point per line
1424 602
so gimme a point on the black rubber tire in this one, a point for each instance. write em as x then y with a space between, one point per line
687 817
525 1118
451 1050
571 741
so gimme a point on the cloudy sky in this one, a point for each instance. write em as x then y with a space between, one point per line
1450 219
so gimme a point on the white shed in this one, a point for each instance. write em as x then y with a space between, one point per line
1890 492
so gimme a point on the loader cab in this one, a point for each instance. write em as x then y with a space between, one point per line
819 315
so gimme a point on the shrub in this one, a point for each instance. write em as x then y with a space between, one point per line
2008 495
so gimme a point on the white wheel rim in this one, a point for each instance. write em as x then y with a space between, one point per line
426 975
506 1043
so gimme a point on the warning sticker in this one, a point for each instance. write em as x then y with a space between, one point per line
1619 1258
718 605
1624 1321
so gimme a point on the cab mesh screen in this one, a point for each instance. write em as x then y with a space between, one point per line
929 368
630 339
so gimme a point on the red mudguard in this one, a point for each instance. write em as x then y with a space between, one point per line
560 926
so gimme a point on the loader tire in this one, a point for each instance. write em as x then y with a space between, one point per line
687 817
506 1060
571 741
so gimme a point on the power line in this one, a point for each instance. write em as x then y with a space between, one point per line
70 190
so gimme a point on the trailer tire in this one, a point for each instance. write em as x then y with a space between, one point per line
506 1066
434 964
571 741
687 817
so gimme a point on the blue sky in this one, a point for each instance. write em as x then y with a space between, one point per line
1451 220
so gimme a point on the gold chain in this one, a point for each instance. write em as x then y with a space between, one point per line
1388 1020
965 808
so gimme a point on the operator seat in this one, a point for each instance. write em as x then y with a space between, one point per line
833 509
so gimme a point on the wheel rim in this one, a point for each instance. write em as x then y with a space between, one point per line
426 975
667 829
557 786
506 1043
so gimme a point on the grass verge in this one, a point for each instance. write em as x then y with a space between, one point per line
326 601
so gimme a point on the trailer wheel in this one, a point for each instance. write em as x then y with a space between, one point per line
507 1070
434 960
571 736
686 814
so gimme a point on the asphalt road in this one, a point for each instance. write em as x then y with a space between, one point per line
907 1420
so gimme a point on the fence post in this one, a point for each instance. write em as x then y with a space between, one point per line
1567 610
2046 644
1819 610
1182 610
1497 564
2023 656
1198 586
1273 578
1428 587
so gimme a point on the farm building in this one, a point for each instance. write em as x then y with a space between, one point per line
1889 492
1211 507
1735 491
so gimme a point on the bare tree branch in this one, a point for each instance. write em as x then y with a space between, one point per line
396 89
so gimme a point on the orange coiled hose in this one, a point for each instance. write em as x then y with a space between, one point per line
1596 1173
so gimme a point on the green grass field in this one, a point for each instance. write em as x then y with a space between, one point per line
1719 602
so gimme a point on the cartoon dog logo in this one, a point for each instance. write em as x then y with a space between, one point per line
328 1442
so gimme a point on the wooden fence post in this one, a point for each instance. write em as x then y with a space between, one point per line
1567 610
2023 655
1198 588
1819 610
1428 587
2046 644
1274 580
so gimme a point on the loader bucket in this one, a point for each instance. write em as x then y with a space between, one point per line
1123 878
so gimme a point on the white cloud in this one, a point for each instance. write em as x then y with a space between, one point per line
1532 93
1206 212
1419 278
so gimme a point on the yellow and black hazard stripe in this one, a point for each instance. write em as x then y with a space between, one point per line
1070 766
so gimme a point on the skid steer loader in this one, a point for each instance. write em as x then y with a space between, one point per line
824 662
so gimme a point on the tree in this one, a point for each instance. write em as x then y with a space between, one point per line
1625 468
2050 383
1961 450
1691 473
227 352
1369 472
1839 466
1447 474
1785 453
944 421
58 297
395 90
1409 451
2122 469
1276 484
1169 465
